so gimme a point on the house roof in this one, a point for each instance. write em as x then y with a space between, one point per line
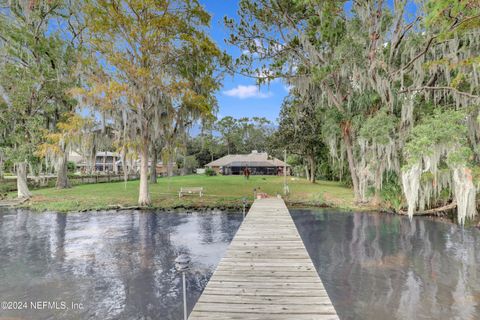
107 154
254 159
75 157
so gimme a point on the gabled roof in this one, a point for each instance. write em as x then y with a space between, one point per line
107 154
254 159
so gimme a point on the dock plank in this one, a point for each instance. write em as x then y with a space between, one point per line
266 273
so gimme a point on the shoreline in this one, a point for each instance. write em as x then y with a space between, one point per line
238 207
225 193
228 205
234 205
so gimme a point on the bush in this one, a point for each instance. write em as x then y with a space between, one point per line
209 172
71 166
391 193
7 187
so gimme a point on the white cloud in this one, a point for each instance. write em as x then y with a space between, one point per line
244 92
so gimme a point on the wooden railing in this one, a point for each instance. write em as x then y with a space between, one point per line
8 185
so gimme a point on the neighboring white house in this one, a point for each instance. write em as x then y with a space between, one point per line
112 162
104 161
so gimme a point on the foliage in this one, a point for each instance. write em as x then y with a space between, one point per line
392 89
300 124
245 134
231 136
209 172
37 69
188 164
379 129
155 73
441 130
392 195
71 166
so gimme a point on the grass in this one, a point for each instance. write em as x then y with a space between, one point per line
220 192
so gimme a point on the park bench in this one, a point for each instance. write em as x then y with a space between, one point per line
190 190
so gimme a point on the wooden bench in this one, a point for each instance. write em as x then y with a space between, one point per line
190 190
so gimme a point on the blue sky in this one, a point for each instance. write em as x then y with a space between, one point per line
239 96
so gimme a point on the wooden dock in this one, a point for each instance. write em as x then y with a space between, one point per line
266 273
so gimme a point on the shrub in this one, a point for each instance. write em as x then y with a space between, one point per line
210 172
71 166
391 193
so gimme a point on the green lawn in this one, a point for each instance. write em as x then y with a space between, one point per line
220 191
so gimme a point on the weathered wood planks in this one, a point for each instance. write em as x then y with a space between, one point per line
266 273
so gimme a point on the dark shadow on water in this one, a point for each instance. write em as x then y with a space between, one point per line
385 267
118 265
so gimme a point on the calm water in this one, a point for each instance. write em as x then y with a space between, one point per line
384 267
121 265
117 265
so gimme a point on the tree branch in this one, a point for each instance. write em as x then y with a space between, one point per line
429 43
450 206
468 95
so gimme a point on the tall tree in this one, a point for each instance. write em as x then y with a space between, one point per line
381 73
36 73
300 124
229 130
144 46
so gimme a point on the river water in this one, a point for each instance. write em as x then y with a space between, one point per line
120 265
377 266
117 265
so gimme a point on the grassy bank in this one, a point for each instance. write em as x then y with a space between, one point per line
220 191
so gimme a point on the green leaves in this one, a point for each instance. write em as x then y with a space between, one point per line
444 131
452 16
379 129
36 72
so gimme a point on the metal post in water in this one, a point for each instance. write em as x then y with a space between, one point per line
182 264
184 297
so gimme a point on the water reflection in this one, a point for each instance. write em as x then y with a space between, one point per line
384 267
118 265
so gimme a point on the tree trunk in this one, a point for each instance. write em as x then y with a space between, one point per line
307 173
143 194
1 166
447 207
313 168
184 169
62 173
377 198
114 165
170 168
153 168
351 164
104 161
93 159
22 186
124 168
